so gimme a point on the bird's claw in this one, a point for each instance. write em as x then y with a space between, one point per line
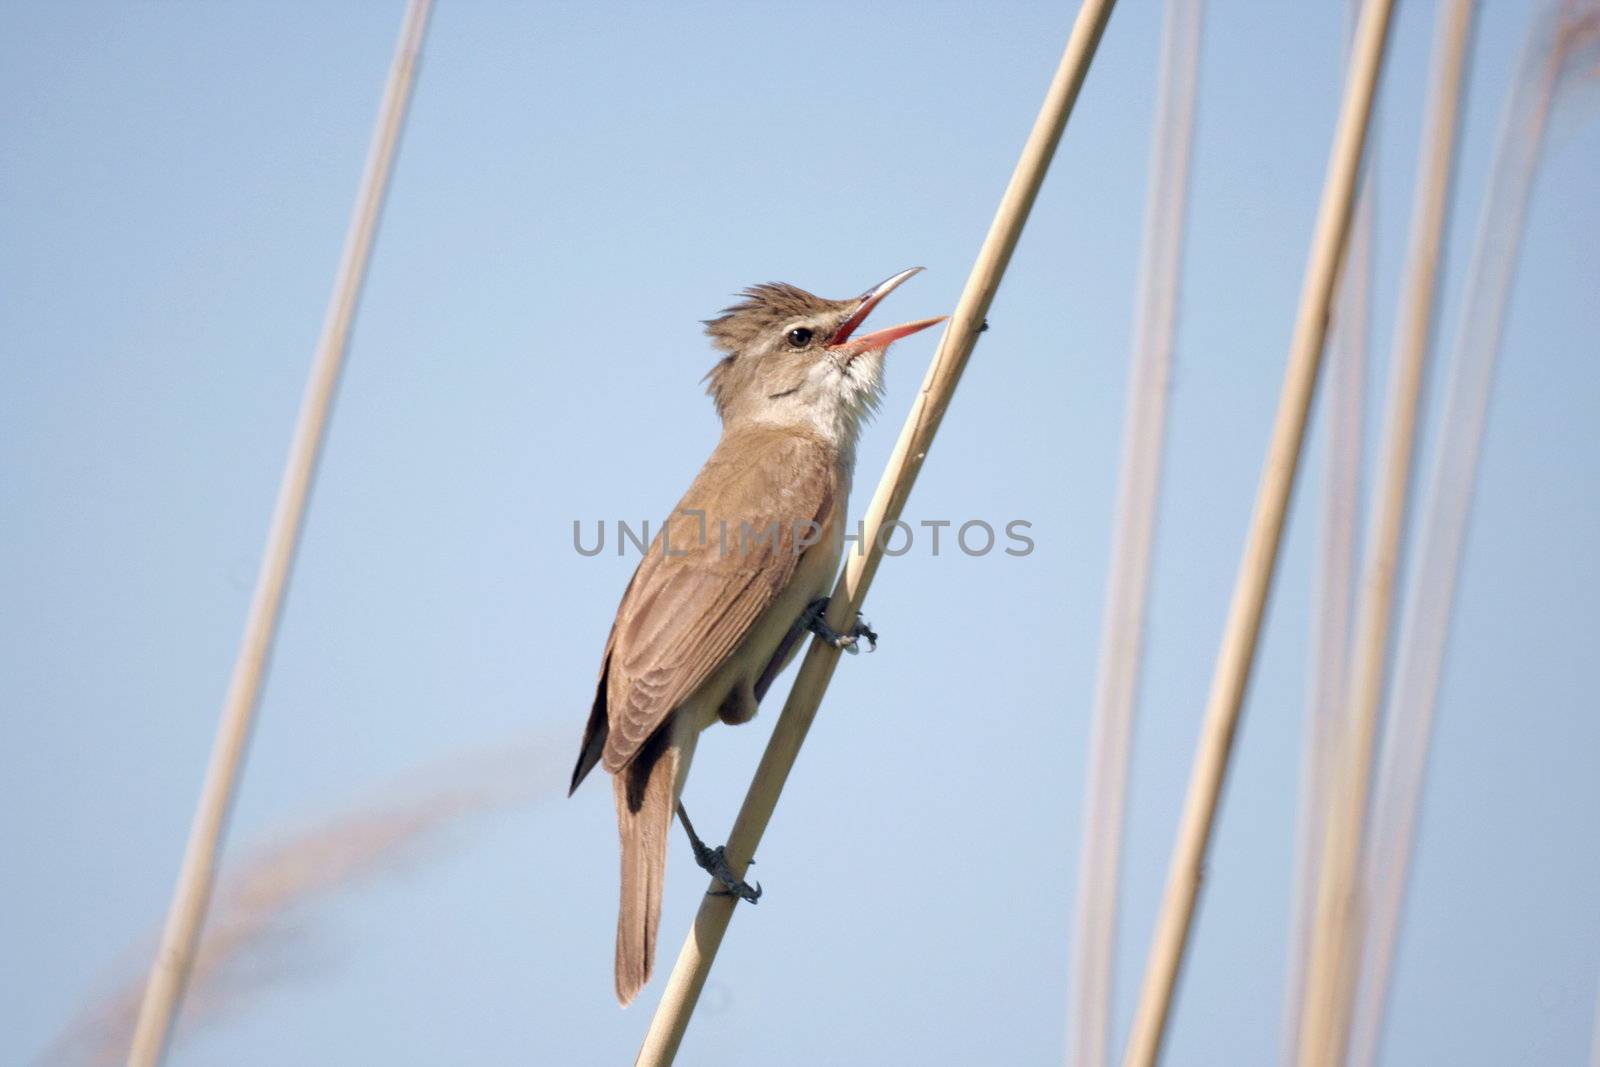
715 863
863 628
816 621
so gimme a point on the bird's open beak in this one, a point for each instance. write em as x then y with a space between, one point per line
850 346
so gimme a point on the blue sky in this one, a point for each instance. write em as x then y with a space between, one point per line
578 185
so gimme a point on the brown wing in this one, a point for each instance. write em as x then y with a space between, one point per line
704 582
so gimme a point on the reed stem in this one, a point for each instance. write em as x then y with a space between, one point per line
1133 534
1444 511
163 994
688 976
1260 558
1343 404
1336 936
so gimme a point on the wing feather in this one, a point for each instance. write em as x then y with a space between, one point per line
702 586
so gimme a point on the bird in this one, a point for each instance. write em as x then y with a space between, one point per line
736 575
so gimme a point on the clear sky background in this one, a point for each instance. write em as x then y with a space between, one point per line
578 185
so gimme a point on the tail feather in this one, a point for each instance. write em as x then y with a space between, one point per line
646 793
597 729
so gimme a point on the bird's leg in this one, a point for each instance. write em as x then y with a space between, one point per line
714 861
780 659
815 620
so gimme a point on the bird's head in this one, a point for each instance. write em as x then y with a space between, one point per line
796 360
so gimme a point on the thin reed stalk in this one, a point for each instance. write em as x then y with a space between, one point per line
688 976
1336 936
1445 509
186 916
1260 558
1343 404
1133 533
1594 1039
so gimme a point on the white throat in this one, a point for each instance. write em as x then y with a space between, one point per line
832 401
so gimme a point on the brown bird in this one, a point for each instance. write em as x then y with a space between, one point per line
736 576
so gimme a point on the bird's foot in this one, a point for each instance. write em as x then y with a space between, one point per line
714 861
815 620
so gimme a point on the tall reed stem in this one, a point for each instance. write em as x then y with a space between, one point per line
688 976
1343 404
1336 936
1446 506
1259 562
1132 537
180 937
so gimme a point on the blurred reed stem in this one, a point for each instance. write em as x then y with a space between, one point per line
1260 558
180 937
1132 535
1336 935
1446 505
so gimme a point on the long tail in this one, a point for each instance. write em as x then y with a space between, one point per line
647 793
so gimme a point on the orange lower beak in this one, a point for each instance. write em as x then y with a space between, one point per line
883 338
851 346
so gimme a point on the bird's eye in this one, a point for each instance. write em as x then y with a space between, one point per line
799 337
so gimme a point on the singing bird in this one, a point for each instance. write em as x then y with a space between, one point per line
736 575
